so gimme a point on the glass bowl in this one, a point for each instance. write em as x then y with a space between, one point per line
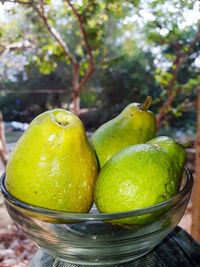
95 239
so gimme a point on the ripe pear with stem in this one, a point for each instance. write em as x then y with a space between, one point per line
53 165
134 125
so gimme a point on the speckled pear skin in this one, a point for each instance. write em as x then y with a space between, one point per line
140 176
53 165
175 150
137 177
132 126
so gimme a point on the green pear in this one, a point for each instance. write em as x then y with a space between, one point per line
175 150
140 176
53 165
134 125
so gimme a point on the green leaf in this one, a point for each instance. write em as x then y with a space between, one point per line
47 67
135 2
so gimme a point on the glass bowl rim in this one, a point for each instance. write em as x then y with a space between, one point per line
64 215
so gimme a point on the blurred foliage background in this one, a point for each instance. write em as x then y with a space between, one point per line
123 51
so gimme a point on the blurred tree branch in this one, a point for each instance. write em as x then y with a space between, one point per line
3 148
18 1
15 46
180 59
77 83
42 14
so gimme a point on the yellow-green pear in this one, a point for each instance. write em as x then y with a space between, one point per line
134 125
53 165
140 176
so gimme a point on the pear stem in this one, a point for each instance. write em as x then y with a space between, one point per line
187 144
147 103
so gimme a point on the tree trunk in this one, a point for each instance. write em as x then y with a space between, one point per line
196 188
75 105
163 110
3 148
181 58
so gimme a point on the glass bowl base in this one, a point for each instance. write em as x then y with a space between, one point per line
43 259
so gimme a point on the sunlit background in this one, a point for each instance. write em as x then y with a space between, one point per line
135 46
94 60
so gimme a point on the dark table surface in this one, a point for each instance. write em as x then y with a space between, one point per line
178 249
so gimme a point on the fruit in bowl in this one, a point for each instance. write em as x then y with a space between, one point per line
134 125
91 239
53 165
52 175
140 176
